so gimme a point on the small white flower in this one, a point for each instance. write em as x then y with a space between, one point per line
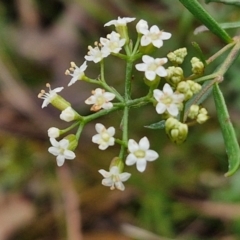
140 153
154 36
113 43
114 178
152 67
48 97
104 137
60 149
96 54
168 100
77 72
68 114
142 27
119 22
53 132
100 99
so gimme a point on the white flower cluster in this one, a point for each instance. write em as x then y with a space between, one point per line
168 101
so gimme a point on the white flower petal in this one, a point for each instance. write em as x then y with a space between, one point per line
120 186
124 176
132 145
173 110
144 144
150 75
60 160
151 155
104 173
69 154
99 127
131 159
167 89
141 165
161 108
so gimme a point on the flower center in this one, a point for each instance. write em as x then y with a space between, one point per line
105 136
167 100
100 100
139 154
152 67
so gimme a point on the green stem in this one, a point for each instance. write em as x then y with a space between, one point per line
128 81
125 132
79 131
69 128
220 52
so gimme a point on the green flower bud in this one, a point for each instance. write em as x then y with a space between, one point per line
177 57
117 162
73 142
176 130
195 87
193 111
174 75
202 116
197 66
183 87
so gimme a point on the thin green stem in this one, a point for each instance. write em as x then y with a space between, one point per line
125 132
69 128
79 131
128 81
102 71
220 52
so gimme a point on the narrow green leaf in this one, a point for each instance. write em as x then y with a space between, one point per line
229 135
157 125
198 11
226 25
200 54
230 2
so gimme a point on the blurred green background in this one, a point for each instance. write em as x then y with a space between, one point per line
182 195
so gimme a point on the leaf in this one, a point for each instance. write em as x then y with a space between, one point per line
199 53
230 2
198 11
157 125
226 25
229 135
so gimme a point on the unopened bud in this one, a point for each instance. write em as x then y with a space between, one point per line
174 75
197 66
177 57
193 111
176 130
53 132
69 115
72 141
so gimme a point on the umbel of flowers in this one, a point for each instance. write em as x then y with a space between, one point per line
169 100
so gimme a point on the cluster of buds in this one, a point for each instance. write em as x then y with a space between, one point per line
198 113
176 130
168 101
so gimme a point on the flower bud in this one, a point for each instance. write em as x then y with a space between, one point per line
69 115
176 130
174 75
117 162
202 116
195 87
193 111
177 57
73 142
197 66
53 132
183 87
